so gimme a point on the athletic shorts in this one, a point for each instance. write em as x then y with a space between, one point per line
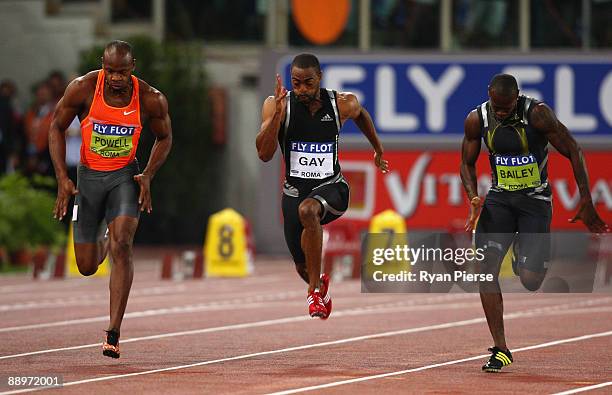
103 196
334 200
507 213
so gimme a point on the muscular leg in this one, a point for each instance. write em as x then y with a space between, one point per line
495 231
122 230
312 239
90 255
530 279
491 297
302 270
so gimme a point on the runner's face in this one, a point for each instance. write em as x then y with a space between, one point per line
305 84
118 68
502 105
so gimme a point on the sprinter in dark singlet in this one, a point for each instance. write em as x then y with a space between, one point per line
516 130
111 191
305 123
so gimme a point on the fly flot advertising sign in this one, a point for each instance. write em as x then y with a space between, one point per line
411 98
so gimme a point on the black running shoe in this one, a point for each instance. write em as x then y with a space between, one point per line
497 361
110 347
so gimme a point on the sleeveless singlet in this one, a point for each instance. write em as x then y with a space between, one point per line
110 134
309 144
518 153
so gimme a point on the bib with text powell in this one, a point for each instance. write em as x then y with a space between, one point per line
110 134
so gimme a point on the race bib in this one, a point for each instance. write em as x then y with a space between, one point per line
111 141
311 160
517 172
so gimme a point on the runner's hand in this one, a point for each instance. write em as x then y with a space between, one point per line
65 189
475 207
144 199
587 214
279 95
381 163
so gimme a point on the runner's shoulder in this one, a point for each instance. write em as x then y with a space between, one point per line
346 97
348 105
153 101
82 87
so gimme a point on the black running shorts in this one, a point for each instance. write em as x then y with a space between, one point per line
507 213
334 200
103 196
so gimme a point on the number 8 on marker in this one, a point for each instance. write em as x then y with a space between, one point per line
226 247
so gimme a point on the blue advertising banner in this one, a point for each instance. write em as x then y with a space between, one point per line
408 97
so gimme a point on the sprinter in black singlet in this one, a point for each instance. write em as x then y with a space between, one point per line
305 122
516 131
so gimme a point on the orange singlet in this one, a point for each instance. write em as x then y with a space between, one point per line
110 134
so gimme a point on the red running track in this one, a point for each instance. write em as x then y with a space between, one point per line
253 336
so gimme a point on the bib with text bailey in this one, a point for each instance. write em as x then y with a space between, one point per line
517 172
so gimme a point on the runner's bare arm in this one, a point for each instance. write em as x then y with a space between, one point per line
543 119
156 108
67 108
272 114
350 108
470 149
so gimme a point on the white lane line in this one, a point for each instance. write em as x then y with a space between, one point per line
372 309
93 298
102 298
584 389
436 365
163 311
410 305
528 313
346 313
77 284
258 297
271 352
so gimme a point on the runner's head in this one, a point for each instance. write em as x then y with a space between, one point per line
305 77
118 63
503 95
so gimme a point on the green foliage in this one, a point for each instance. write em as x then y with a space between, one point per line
184 189
26 219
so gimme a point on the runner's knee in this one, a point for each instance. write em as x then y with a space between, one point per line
87 268
120 245
493 257
531 280
309 211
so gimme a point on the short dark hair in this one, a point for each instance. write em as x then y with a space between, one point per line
119 46
504 84
305 61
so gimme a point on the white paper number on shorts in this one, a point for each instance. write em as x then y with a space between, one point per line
312 160
75 212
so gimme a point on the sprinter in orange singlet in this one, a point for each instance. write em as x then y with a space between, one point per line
111 191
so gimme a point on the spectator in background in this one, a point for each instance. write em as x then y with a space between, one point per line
57 83
601 12
11 138
36 127
480 23
406 23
